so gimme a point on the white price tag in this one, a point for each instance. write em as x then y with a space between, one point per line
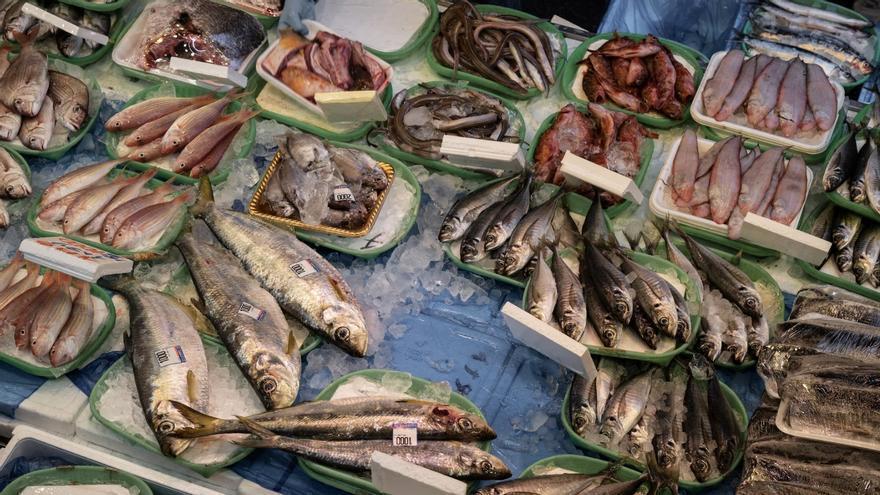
405 435
303 268
65 25
248 309
342 193
170 355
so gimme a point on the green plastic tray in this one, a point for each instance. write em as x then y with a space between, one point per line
696 59
18 158
97 7
731 397
351 482
85 354
578 464
492 86
422 35
150 444
389 147
805 225
832 7
164 242
838 199
661 358
94 108
221 173
93 57
77 475
647 150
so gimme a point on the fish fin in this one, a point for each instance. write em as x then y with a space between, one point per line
29 36
192 386
737 258
292 345
198 305
205 199
203 424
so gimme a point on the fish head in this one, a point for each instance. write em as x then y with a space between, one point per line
63 351
666 318
37 141
165 421
683 328
701 464
582 418
752 305
483 465
511 260
468 425
70 45
536 309
74 116
710 349
29 100
470 250
622 304
17 188
610 334
276 382
666 451
494 236
450 230
348 330
612 429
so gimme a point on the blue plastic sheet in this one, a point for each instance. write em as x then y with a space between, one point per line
17 386
86 378
24 465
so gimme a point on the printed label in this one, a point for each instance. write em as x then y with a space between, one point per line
342 193
170 355
249 310
404 435
303 268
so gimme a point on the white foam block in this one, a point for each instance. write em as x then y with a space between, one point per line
582 170
53 407
548 341
65 25
395 476
222 73
482 153
351 106
787 240
73 258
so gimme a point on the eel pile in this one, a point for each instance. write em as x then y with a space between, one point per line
17 23
792 98
727 182
322 184
14 184
855 245
639 76
854 172
842 46
508 50
680 413
608 138
421 116
121 211
49 315
187 135
328 64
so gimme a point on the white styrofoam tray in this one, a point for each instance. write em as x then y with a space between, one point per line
369 22
810 142
784 426
314 29
663 206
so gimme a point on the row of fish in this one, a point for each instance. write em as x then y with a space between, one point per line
322 184
842 46
639 76
14 184
505 49
567 482
853 171
828 300
49 315
121 211
17 23
787 97
327 64
727 182
192 134
679 413
611 139
855 243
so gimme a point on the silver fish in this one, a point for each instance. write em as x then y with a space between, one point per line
509 216
473 246
654 296
528 236
571 308
466 210
626 407
610 283
866 251
542 290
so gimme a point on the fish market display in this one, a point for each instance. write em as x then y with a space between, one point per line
843 46
507 50
725 182
855 240
678 418
790 98
14 184
121 211
835 302
566 483
605 137
420 118
854 171
639 76
50 38
187 135
318 183
327 64
198 30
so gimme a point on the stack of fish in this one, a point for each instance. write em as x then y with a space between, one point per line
49 314
568 483
855 241
641 77
608 138
418 122
321 184
37 104
855 172
328 64
14 184
635 411
828 300
508 50
121 212
793 98
16 23
193 132
728 182
843 46
344 434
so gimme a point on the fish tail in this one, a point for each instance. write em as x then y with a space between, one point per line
119 283
202 424
205 199
262 438
29 36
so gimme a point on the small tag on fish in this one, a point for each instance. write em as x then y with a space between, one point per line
170 355
303 268
249 310
342 193
405 435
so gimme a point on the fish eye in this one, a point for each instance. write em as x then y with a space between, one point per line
18 101
465 423
486 466
664 321
166 427
579 422
609 334
343 333
268 385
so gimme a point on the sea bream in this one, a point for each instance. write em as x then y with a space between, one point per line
24 86
71 98
14 183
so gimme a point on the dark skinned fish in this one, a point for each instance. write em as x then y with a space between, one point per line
610 283
466 210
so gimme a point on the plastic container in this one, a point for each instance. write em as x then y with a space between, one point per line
835 197
95 56
98 7
704 228
267 20
78 475
577 464
492 86
351 482
783 422
817 144
444 166
572 75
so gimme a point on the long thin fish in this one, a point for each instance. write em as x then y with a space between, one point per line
77 329
150 110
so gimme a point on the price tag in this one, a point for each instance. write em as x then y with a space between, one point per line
342 193
577 170
303 268
170 355
404 435
65 25
211 71
248 309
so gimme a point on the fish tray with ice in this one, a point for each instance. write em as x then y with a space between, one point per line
85 477
852 167
568 472
616 70
182 132
15 182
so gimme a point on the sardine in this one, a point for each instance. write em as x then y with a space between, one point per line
50 316
149 110
76 180
625 408
142 229
841 164
509 216
71 98
571 309
36 132
77 329
722 82
466 210
542 290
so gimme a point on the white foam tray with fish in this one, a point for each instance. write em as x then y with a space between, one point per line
663 206
810 142
314 28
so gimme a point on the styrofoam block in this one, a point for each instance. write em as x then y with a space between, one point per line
582 170
785 239
395 476
53 407
482 153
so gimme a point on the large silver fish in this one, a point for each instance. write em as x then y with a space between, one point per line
466 210
626 407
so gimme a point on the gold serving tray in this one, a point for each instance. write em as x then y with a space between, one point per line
254 205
